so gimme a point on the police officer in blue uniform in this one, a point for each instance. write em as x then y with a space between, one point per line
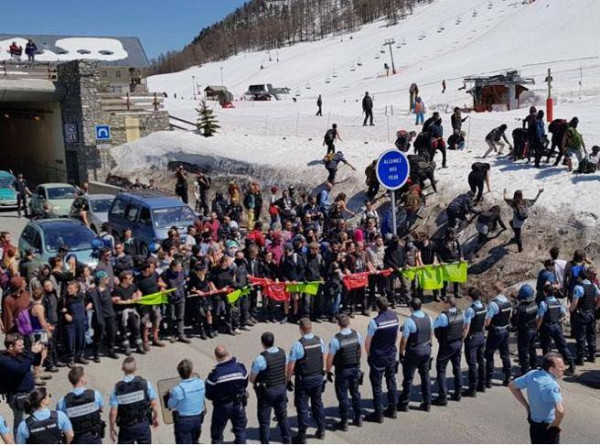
449 328
380 346
83 407
226 387
269 379
475 343
549 316
133 407
5 431
306 362
497 321
43 425
545 410
186 400
415 354
586 299
345 354
525 320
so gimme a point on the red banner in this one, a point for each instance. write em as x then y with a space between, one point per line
271 289
356 280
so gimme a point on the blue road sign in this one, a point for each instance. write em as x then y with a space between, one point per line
103 132
392 169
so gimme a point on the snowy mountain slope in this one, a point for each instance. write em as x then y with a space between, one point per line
557 34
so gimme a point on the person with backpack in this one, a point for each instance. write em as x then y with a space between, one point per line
13 304
493 140
332 162
419 108
459 208
537 144
320 106
331 136
574 144
520 207
403 139
367 107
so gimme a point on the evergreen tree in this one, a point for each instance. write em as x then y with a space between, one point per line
207 122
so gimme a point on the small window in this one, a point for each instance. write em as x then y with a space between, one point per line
37 241
28 234
41 192
105 52
84 51
145 217
132 212
118 208
118 73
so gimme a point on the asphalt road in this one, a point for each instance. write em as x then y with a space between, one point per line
493 417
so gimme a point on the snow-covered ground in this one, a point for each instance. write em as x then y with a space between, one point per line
478 37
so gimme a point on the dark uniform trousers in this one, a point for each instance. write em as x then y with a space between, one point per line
474 348
87 438
526 340
449 352
136 433
497 340
554 332
584 329
222 413
270 399
310 387
416 360
346 379
188 429
540 433
376 374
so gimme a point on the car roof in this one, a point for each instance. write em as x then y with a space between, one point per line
55 185
55 222
101 196
153 199
5 174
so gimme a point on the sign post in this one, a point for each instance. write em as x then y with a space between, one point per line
393 171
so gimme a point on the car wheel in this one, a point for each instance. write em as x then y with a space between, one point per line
144 251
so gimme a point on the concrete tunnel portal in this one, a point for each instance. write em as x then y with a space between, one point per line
31 133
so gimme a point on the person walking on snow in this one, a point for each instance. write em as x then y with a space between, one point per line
320 105
520 207
330 136
419 108
367 106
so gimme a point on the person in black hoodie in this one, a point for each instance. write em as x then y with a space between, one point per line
314 271
291 269
480 175
487 222
395 258
103 320
367 106
449 251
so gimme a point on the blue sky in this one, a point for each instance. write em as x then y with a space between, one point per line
160 24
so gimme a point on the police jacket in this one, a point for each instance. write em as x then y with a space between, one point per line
525 315
44 431
417 340
383 343
274 374
134 401
311 363
83 412
453 331
553 312
478 321
348 356
587 302
502 318
226 382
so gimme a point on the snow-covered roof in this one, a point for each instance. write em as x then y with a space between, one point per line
109 51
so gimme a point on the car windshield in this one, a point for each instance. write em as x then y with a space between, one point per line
66 192
101 205
76 236
6 181
173 216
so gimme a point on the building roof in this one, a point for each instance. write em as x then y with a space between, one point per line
108 50
511 77
216 88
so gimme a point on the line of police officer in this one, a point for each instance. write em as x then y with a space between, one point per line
308 367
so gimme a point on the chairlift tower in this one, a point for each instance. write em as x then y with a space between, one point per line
389 43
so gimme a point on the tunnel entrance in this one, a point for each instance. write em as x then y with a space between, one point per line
31 140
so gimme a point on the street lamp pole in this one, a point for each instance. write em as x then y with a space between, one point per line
222 84
390 42
194 87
